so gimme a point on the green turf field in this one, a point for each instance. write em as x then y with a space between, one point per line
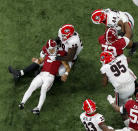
25 25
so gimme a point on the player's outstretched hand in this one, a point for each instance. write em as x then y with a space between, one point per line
35 60
64 77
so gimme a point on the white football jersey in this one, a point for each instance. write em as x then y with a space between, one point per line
113 17
91 123
118 72
73 41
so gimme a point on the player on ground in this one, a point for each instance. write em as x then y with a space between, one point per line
117 19
68 40
130 109
92 120
46 77
117 72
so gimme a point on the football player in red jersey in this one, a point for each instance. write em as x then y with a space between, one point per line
111 42
92 120
130 109
117 19
46 77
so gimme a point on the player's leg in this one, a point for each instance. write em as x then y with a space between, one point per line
18 73
62 69
36 83
47 83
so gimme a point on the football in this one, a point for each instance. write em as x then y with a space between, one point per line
135 2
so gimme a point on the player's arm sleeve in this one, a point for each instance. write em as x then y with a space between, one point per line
126 41
102 70
70 55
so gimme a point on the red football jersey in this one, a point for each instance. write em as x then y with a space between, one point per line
116 48
132 109
50 65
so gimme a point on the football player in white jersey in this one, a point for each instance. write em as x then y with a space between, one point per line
71 43
116 19
92 120
117 72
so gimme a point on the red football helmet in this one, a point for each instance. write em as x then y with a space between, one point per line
111 35
65 32
89 106
106 57
98 16
51 45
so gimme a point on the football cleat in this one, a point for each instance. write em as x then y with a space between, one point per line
21 106
106 57
36 111
16 73
65 32
89 106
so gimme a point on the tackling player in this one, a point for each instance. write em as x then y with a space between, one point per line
92 120
46 77
68 40
130 109
117 72
117 19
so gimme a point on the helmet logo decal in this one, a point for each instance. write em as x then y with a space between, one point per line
67 30
97 17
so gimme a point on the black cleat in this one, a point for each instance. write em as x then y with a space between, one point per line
132 51
16 73
36 111
21 106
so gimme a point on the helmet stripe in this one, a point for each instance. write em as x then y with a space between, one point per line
89 105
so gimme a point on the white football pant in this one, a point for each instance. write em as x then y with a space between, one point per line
124 93
45 81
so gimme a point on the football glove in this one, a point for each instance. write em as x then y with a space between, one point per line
110 99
